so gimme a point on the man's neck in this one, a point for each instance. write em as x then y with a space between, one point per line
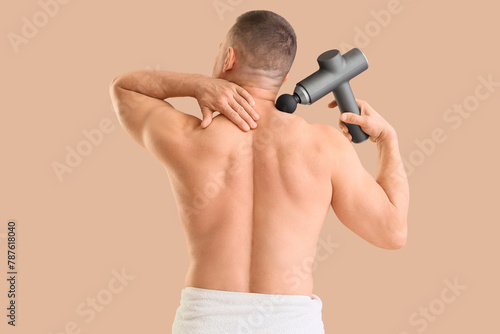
260 87
265 99
260 94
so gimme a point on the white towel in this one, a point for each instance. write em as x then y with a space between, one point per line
205 311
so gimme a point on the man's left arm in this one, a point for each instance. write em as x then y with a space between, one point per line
138 98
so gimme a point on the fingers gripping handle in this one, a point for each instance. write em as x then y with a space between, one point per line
347 103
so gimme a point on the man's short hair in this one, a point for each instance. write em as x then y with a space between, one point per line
264 41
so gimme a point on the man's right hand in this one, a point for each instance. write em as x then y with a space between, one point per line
369 120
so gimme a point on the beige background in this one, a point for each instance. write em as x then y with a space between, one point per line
115 209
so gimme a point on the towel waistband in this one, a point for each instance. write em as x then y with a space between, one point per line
193 295
206 311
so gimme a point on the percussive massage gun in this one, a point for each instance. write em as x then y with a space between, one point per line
335 71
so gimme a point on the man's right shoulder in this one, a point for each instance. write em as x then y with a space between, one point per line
332 142
327 133
334 147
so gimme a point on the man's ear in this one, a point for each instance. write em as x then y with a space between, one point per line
229 60
286 78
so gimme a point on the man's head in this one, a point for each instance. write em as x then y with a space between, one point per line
258 50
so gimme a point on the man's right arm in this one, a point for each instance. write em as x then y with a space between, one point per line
374 209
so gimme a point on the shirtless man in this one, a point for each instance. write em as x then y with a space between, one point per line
253 185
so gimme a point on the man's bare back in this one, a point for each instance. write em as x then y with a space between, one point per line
252 204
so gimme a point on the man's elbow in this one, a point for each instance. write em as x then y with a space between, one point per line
397 236
116 93
395 233
397 242
114 85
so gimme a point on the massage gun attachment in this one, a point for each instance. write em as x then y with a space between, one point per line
335 71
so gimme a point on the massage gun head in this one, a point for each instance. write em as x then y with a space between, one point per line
287 103
334 70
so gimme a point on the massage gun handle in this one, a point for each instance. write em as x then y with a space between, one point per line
347 103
